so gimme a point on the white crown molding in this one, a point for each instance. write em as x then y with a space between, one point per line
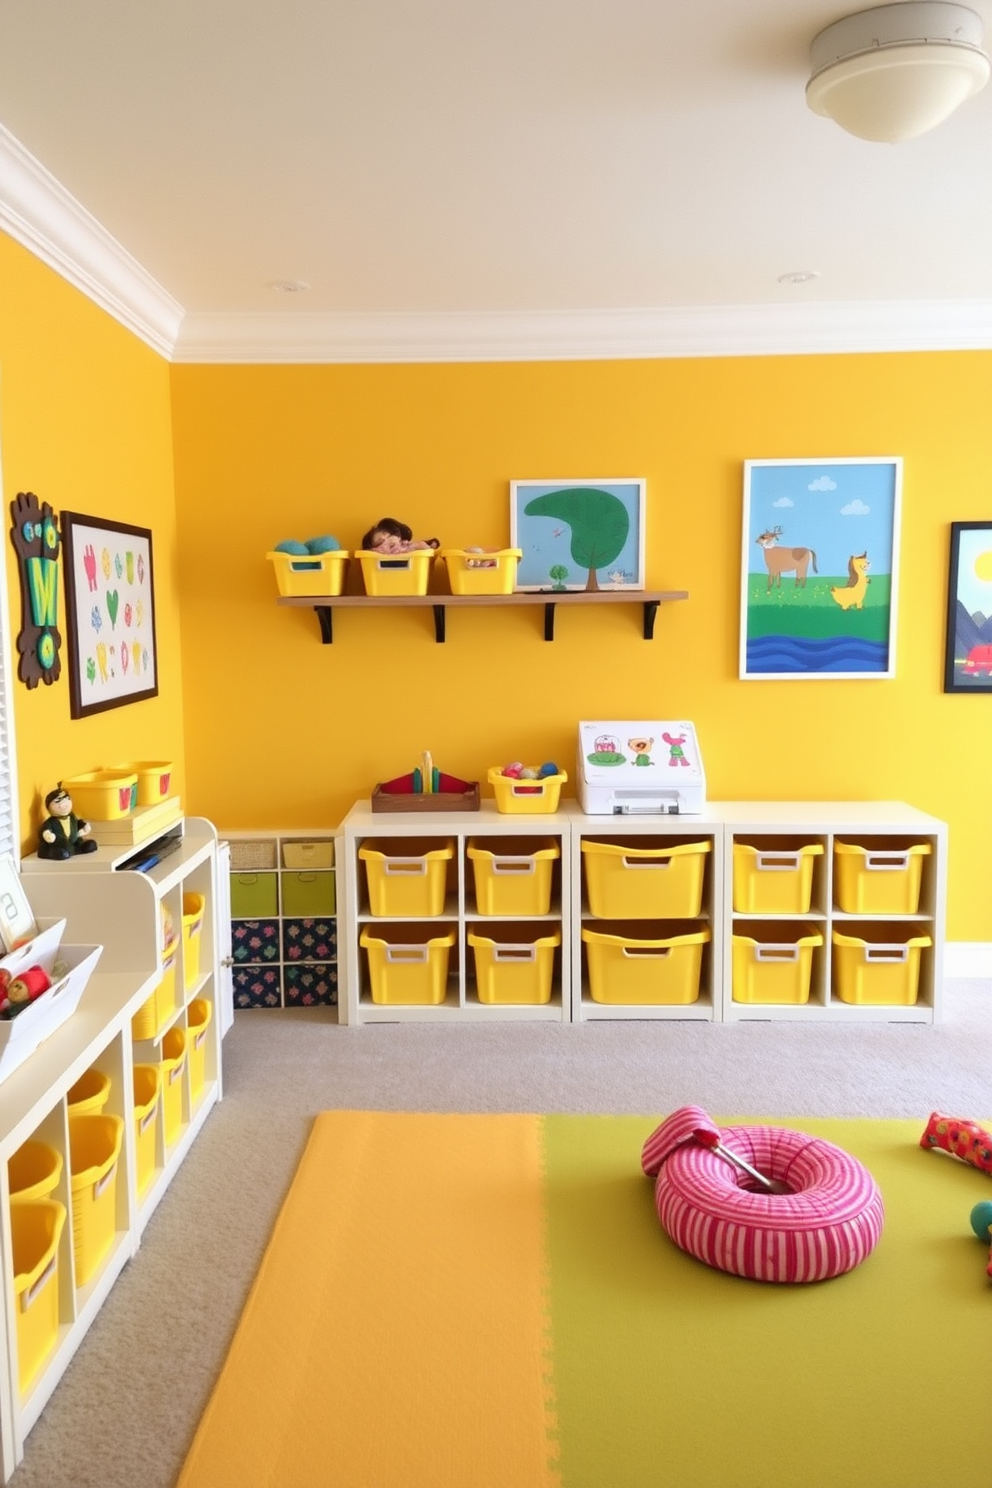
37 212
41 215
699 331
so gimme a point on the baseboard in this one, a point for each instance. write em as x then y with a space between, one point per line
968 958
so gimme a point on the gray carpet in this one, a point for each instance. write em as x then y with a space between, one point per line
125 1412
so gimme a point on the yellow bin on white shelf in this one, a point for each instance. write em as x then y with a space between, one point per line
774 878
880 967
770 965
103 795
198 1017
659 968
513 875
33 1171
406 876
160 1004
172 1065
645 878
147 1105
193 908
880 878
91 1092
526 797
514 969
407 965
94 1149
36 1229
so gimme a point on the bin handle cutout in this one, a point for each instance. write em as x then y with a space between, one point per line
646 953
887 862
411 954
176 1071
666 862
777 862
894 954
145 1121
781 953
411 867
100 1185
516 953
510 866
29 1294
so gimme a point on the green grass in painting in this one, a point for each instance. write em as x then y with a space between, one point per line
813 613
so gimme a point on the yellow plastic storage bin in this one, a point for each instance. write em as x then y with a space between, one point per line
773 964
303 574
522 797
880 878
91 1092
492 572
197 1023
513 875
193 907
645 878
94 1149
630 965
36 1230
879 968
33 1171
103 795
514 969
407 876
147 1104
405 967
154 780
774 877
396 573
172 1065
160 1004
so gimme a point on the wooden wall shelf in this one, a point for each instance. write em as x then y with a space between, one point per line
440 603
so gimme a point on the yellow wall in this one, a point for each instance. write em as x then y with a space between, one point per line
85 424
286 732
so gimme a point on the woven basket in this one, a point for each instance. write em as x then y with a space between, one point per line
247 856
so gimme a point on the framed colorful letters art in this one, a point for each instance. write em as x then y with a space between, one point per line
110 613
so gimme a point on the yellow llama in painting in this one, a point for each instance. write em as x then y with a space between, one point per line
852 595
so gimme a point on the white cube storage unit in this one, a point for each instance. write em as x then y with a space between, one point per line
473 914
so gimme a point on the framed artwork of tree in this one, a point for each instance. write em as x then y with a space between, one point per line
578 534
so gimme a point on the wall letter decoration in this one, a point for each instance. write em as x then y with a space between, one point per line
35 534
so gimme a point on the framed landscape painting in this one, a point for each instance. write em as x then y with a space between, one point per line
819 568
578 534
968 643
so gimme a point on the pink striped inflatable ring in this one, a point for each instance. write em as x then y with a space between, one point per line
827 1224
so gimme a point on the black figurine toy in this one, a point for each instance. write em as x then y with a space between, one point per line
62 833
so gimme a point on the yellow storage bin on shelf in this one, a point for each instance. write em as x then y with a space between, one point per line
396 573
513 875
33 1171
103 795
160 1004
299 575
522 797
193 907
493 571
773 963
91 1092
147 1103
641 964
645 878
880 967
407 964
881 878
774 877
36 1229
172 1066
406 876
514 969
198 1017
94 1149
154 780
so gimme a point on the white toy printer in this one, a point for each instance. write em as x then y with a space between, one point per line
628 768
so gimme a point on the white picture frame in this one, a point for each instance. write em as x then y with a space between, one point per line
582 521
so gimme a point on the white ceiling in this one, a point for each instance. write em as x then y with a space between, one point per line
452 171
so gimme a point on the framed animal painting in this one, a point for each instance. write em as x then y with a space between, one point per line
819 568
110 613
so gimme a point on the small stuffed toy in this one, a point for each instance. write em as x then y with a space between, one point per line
62 833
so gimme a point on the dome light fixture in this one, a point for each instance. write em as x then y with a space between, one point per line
897 71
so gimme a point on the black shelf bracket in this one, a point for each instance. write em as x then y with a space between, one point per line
549 622
323 613
438 623
650 611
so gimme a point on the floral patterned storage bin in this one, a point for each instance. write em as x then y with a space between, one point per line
309 940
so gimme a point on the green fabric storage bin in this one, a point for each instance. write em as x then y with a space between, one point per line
254 896
307 893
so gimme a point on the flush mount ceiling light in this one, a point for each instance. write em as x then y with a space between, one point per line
895 71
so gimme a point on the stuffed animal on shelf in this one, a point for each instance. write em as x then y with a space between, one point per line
62 832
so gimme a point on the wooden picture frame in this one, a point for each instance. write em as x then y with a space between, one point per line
584 534
968 637
110 613
819 568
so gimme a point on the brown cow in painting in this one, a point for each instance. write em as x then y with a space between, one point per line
785 560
